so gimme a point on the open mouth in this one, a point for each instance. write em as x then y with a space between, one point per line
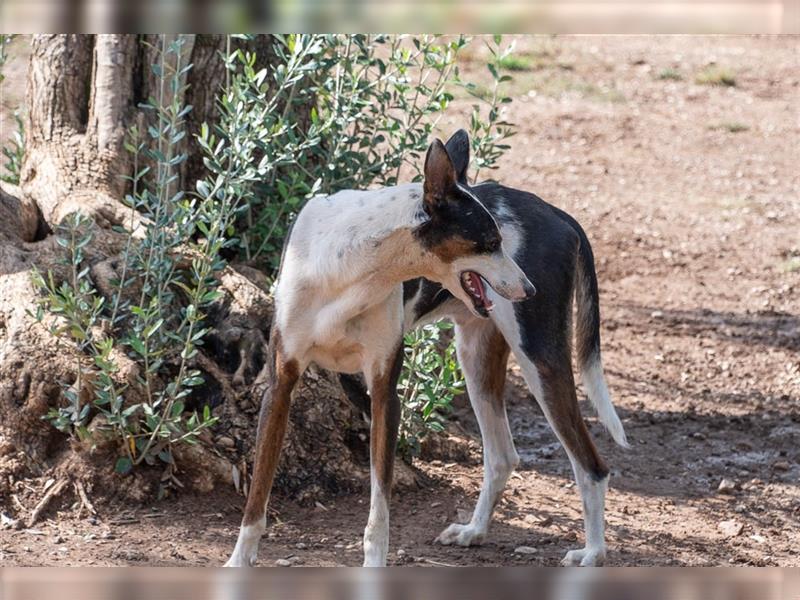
473 284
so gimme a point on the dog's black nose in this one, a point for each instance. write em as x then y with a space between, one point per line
530 290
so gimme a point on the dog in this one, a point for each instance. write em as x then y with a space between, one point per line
360 268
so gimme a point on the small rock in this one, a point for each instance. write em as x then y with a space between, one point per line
525 550
463 516
400 552
35 532
730 528
282 562
225 441
781 465
295 560
8 522
726 486
657 314
300 546
435 504
758 539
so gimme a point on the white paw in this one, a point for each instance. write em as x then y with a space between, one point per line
585 557
461 535
240 561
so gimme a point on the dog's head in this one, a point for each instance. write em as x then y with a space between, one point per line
462 235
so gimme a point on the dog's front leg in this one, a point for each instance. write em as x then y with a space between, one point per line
269 440
483 355
385 406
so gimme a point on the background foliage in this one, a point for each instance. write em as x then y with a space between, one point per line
332 112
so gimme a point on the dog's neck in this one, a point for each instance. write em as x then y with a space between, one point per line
383 242
357 239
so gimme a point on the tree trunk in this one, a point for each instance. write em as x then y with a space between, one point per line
83 92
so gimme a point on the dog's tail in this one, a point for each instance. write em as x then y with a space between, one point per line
587 300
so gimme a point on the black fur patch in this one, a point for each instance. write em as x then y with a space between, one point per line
432 295
458 150
459 217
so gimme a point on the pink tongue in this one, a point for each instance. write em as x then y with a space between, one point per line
478 285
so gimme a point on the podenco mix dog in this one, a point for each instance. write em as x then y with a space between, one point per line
360 268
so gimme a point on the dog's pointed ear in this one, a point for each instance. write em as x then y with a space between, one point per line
458 149
440 175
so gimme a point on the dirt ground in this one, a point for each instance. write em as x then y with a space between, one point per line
690 194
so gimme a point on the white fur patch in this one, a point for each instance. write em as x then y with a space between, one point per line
594 382
246 550
376 534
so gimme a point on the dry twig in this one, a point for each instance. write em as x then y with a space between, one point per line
85 502
53 491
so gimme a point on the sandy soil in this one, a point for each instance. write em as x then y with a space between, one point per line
690 194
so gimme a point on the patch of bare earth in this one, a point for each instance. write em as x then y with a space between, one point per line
690 194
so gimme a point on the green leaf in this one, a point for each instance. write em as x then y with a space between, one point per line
123 466
177 409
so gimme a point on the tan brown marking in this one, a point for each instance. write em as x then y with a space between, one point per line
453 248
272 423
562 404
496 353
385 408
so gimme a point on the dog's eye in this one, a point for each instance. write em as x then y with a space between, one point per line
494 245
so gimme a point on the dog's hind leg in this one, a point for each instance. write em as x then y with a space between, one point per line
539 338
483 355
273 419
385 408
553 386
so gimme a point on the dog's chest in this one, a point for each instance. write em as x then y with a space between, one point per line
342 356
352 342
346 332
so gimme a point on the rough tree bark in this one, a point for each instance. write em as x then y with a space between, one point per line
83 93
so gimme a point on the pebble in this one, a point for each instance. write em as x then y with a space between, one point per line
300 546
401 552
282 562
781 465
226 442
525 550
726 486
730 528
7 521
